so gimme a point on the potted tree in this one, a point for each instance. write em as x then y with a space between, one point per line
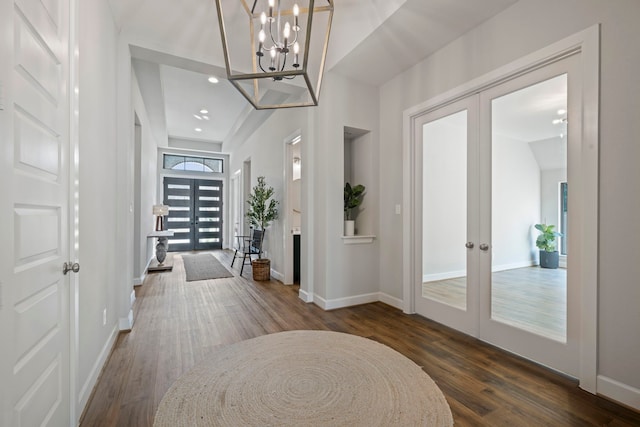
262 211
352 199
546 242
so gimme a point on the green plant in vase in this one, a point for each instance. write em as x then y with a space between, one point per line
546 242
352 199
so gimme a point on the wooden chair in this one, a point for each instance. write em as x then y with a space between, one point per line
247 246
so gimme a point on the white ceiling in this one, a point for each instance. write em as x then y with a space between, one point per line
371 40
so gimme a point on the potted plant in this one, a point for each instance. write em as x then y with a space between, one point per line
352 199
262 211
546 242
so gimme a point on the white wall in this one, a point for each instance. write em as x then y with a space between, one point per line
550 195
266 148
359 170
515 194
342 273
147 168
98 192
525 27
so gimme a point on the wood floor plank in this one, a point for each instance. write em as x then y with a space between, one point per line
179 323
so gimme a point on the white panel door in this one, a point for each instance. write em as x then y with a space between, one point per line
34 170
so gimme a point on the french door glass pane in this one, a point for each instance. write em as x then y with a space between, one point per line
444 222
529 163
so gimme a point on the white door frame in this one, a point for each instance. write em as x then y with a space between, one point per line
75 388
287 229
587 44
235 208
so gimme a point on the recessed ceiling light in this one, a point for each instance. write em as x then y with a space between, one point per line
205 117
213 80
198 130
197 117
561 112
204 111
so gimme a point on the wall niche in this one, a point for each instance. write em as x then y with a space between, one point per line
358 169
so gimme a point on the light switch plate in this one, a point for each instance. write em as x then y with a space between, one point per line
398 209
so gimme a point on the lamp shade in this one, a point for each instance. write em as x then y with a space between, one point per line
160 210
275 50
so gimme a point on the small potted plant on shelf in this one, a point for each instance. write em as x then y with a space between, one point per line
352 199
263 210
546 242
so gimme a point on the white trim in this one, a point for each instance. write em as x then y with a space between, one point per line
333 304
513 266
358 240
287 226
137 281
73 158
132 297
277 275
587 43
443 276
305 296
390 300
87 387
619 392
126 323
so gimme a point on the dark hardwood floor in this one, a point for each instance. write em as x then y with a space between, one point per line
178 324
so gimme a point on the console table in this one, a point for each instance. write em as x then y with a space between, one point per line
162 262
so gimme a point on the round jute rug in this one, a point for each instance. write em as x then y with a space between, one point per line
305 378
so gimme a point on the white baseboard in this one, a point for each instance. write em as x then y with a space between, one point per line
462 273
126 323
389 300
132 297
615 390
87 387
443 276
277 275
346 301
512 266
305 296
137 281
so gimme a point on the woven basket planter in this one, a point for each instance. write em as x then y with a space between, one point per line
261 269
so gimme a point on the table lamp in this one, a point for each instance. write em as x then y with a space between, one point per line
160 211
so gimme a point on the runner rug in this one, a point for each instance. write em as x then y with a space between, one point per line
203 267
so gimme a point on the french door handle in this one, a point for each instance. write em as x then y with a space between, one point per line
484 247
469 245
69 266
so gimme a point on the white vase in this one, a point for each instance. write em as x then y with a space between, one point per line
349 227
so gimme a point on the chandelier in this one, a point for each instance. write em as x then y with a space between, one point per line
275 50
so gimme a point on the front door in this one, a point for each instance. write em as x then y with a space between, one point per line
491 166
34 213
195 213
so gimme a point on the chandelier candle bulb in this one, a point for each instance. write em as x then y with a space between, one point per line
286 33
296 50
296 12
261 37
271 2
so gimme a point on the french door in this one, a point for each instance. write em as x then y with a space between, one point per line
490 167
195 213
